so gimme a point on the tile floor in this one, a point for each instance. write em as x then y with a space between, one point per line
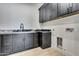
39 52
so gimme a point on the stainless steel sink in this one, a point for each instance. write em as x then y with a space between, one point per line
22 30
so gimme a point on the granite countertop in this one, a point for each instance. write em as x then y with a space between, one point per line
11 32
17 31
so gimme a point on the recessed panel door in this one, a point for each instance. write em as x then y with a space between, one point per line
62 9
6 44
75 7
28 41
18 42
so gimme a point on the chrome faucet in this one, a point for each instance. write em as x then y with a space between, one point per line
21 26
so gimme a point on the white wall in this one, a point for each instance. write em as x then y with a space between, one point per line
70 39
11 15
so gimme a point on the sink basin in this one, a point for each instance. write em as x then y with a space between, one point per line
22 30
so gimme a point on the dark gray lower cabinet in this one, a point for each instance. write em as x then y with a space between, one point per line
0 44
45 39
6 44
11 43
18 42
35 40
28 41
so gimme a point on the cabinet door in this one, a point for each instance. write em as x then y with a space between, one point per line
75 7
6 44
62 9
28 40
69 9
35 39
0 44
44 14
18 42
41 15
53 11
47 12
46 39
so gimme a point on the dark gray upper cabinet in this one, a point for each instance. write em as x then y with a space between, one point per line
69 8
49 11
40 16
75 7
42 13
28 40
6 44
62 9
53 11
18 42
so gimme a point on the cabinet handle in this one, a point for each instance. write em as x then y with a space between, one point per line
68 10
24 39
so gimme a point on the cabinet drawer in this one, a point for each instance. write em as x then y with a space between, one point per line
7 49
29 35
6 41
7 36
18 36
